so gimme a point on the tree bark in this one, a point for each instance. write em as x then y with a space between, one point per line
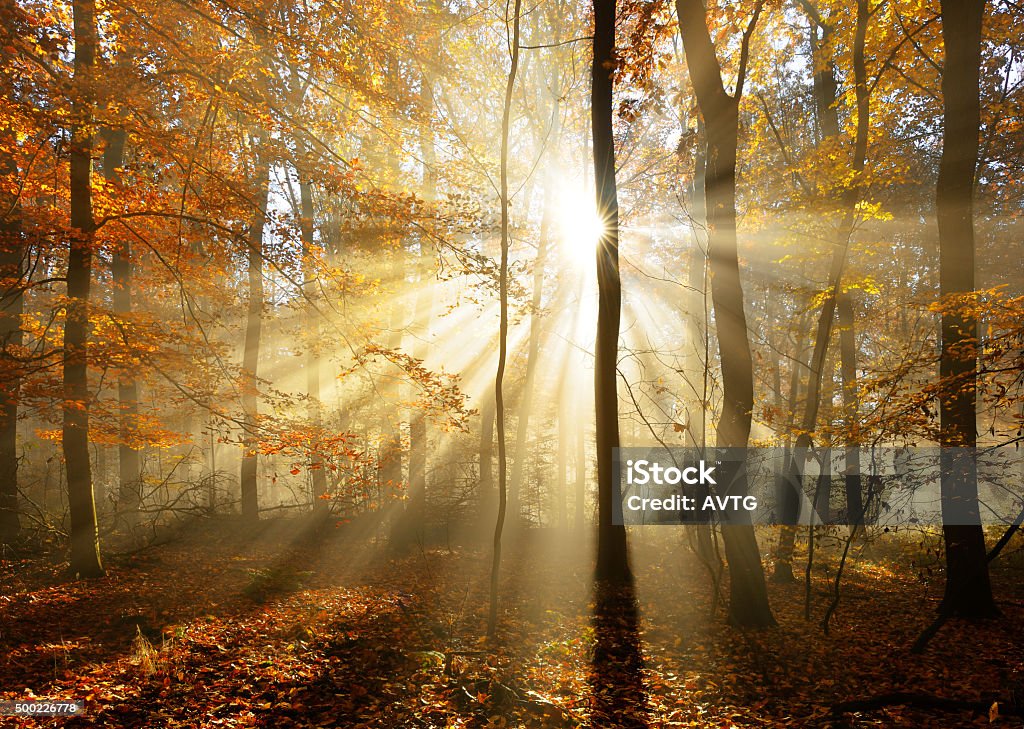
697 332
748 605
316 461
852 481
825 90
488 494
562 483
129 462
251 354
12 268
417 508
85 545
787 490
612 560
390 452
968 589
533 351
580 515
536 320
499 397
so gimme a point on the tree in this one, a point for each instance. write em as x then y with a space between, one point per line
416 509
748 605
12 272
499 396
968 590
825 100
612 560
253 332
312 315
129 466
485 472
85 545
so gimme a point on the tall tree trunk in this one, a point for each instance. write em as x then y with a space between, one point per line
12 268
488 494
580 518
748 604
823 486
129 462
612 560
536 321
562 483
698 329
312 315
788 491
417 508
825 90
499 397
251 354
533 350
390 452
578 412
85 543
968 590
853 485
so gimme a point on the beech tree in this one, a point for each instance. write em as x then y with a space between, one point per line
503 275
129 463
748 604
612 560
825 103
253 330
13 252
968 591
85 547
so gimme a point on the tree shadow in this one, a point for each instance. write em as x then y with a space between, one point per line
225 569
618 696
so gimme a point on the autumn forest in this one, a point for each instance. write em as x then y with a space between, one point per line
336 338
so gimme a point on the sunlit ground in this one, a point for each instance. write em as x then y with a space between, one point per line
273 628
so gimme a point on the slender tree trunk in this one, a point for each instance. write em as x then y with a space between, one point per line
580 518
822 498
12 268
85 544
536 320
562 483
787 490
612 560
129 462
312 315
488 494
417 508
825 89
390 452
825 86
698 330
581 440
211 487
968 590
748 605
251 355
499 397
533 350
851 407
417 422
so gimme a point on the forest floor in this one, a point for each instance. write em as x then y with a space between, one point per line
275 628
